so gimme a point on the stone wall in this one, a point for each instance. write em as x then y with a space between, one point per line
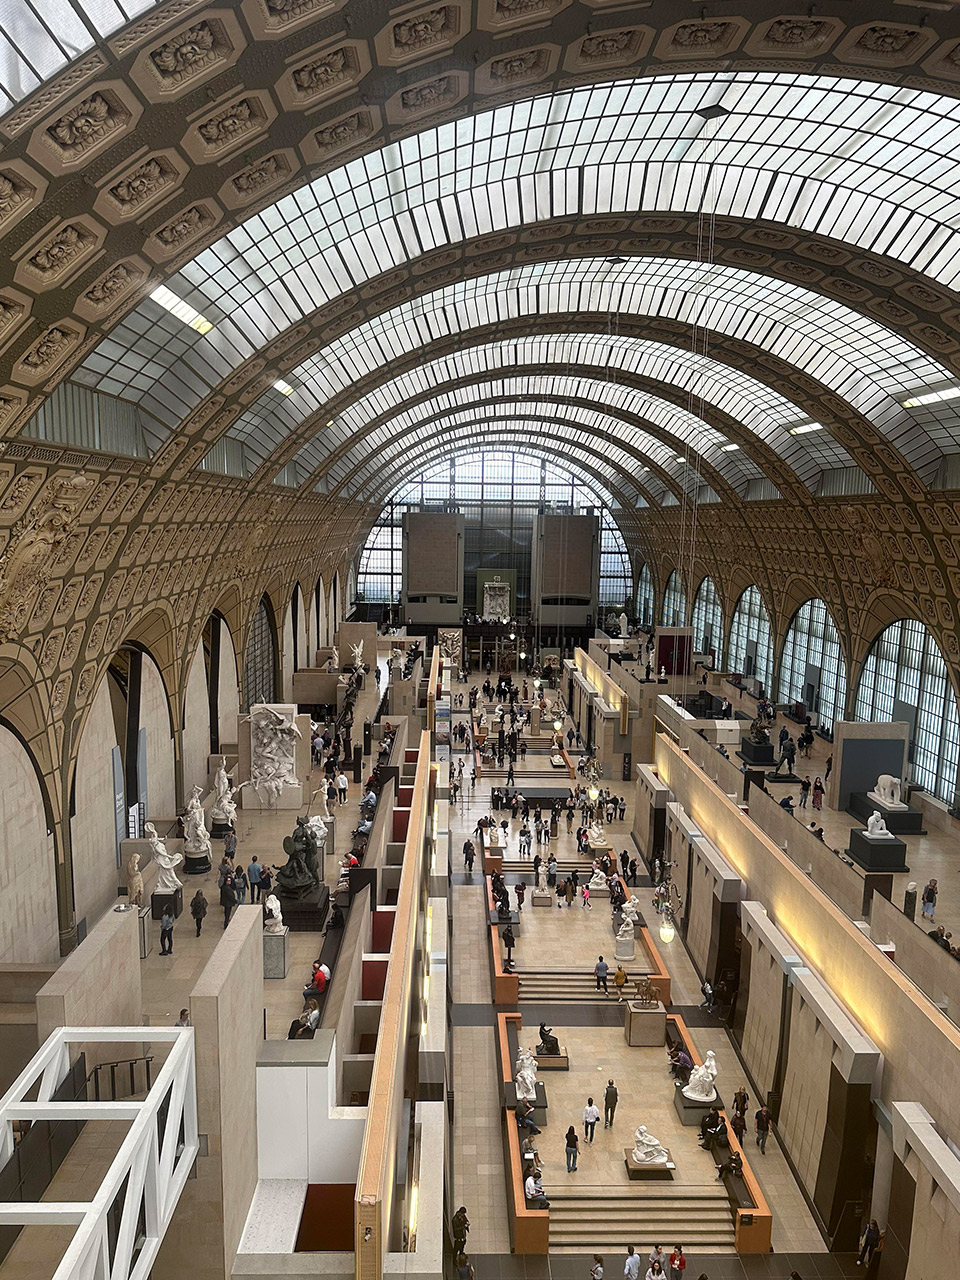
28 892
155 719
196 729
92 829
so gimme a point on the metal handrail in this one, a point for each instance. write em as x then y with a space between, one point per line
132 1063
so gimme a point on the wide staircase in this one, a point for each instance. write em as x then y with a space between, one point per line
573 986
604 1219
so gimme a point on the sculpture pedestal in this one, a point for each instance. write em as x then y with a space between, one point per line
756 752
196 862
625 949
598 850
539 1115
690 1112
878 853
172 902
601 892
501 923
553 1061
645 1024
542 898
304 915
276 953
789 776
648 1172
905 821
219 827
291 797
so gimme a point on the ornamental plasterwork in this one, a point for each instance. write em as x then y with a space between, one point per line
188 225
324 74
142 186
59 254
111 288
273 18
701 38
614 48
421 34
86 127
229 127
506 14
345 131
183 59
885 44
523 66
804 37
420 100
258 178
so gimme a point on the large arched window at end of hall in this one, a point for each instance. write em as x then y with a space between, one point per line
674 613
645 595
751 647
260 659
812 669
707 620
905 678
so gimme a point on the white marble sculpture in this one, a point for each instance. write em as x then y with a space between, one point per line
878 828
631 910
701 1086
396 657
334 658
321 795
598 880
273 749
273 916
623 625
167 863
625 932
134 881
196 836
541 878
526 1075
357 652
647 1149
319 828
886 791
663 673
224 807
595 833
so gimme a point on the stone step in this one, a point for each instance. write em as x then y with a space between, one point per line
585 1219
675 1192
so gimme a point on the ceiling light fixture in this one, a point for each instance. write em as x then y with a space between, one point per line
182 310
804 428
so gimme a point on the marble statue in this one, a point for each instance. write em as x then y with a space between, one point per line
167 863
549 1045
357 652
631 910
134 881
321 795
556 759
647 1149
196 837
887 791
273 749
272 916
663 673
541 878
334 658
224 807
526 1075
625 932
299 876
598 880
396 657
623 625
877 827
701 1086
319 828
595 833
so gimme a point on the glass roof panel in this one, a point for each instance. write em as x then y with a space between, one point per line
873 164
860 360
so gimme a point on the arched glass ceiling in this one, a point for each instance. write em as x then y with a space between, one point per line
38 38
871 164
690 434
379 478
710 385
851 354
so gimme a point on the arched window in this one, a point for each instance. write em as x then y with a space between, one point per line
905 678
812 670
751 649
260 660
707 619
645 597
674 612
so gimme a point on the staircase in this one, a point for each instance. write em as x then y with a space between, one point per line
572 986
564 865
599 1219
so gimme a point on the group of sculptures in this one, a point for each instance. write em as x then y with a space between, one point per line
273 749
165 862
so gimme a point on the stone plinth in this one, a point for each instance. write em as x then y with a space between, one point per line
304 915
542 898
691 1112
648 1171
625 949
172 902
196 862
756 752
276 953
539 1115
501 922
553 1061
598 850
645 1024
878 853
901 821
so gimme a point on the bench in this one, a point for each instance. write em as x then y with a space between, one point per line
529 1228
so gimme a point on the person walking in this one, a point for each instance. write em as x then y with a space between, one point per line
253 875
596 1271
610 1097
619 982
928 901
868 1242
600 971
465 1269
573 1149
342 785
266 883
631 1266
166 933
741 1100
228 899
230 844
654 1271
805 787
817 794
633 871
591 1114
240 885
657 1255
198 909
469 853
520 890
625 863
678 1263
569 891
762 1119
585 897
461 1228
